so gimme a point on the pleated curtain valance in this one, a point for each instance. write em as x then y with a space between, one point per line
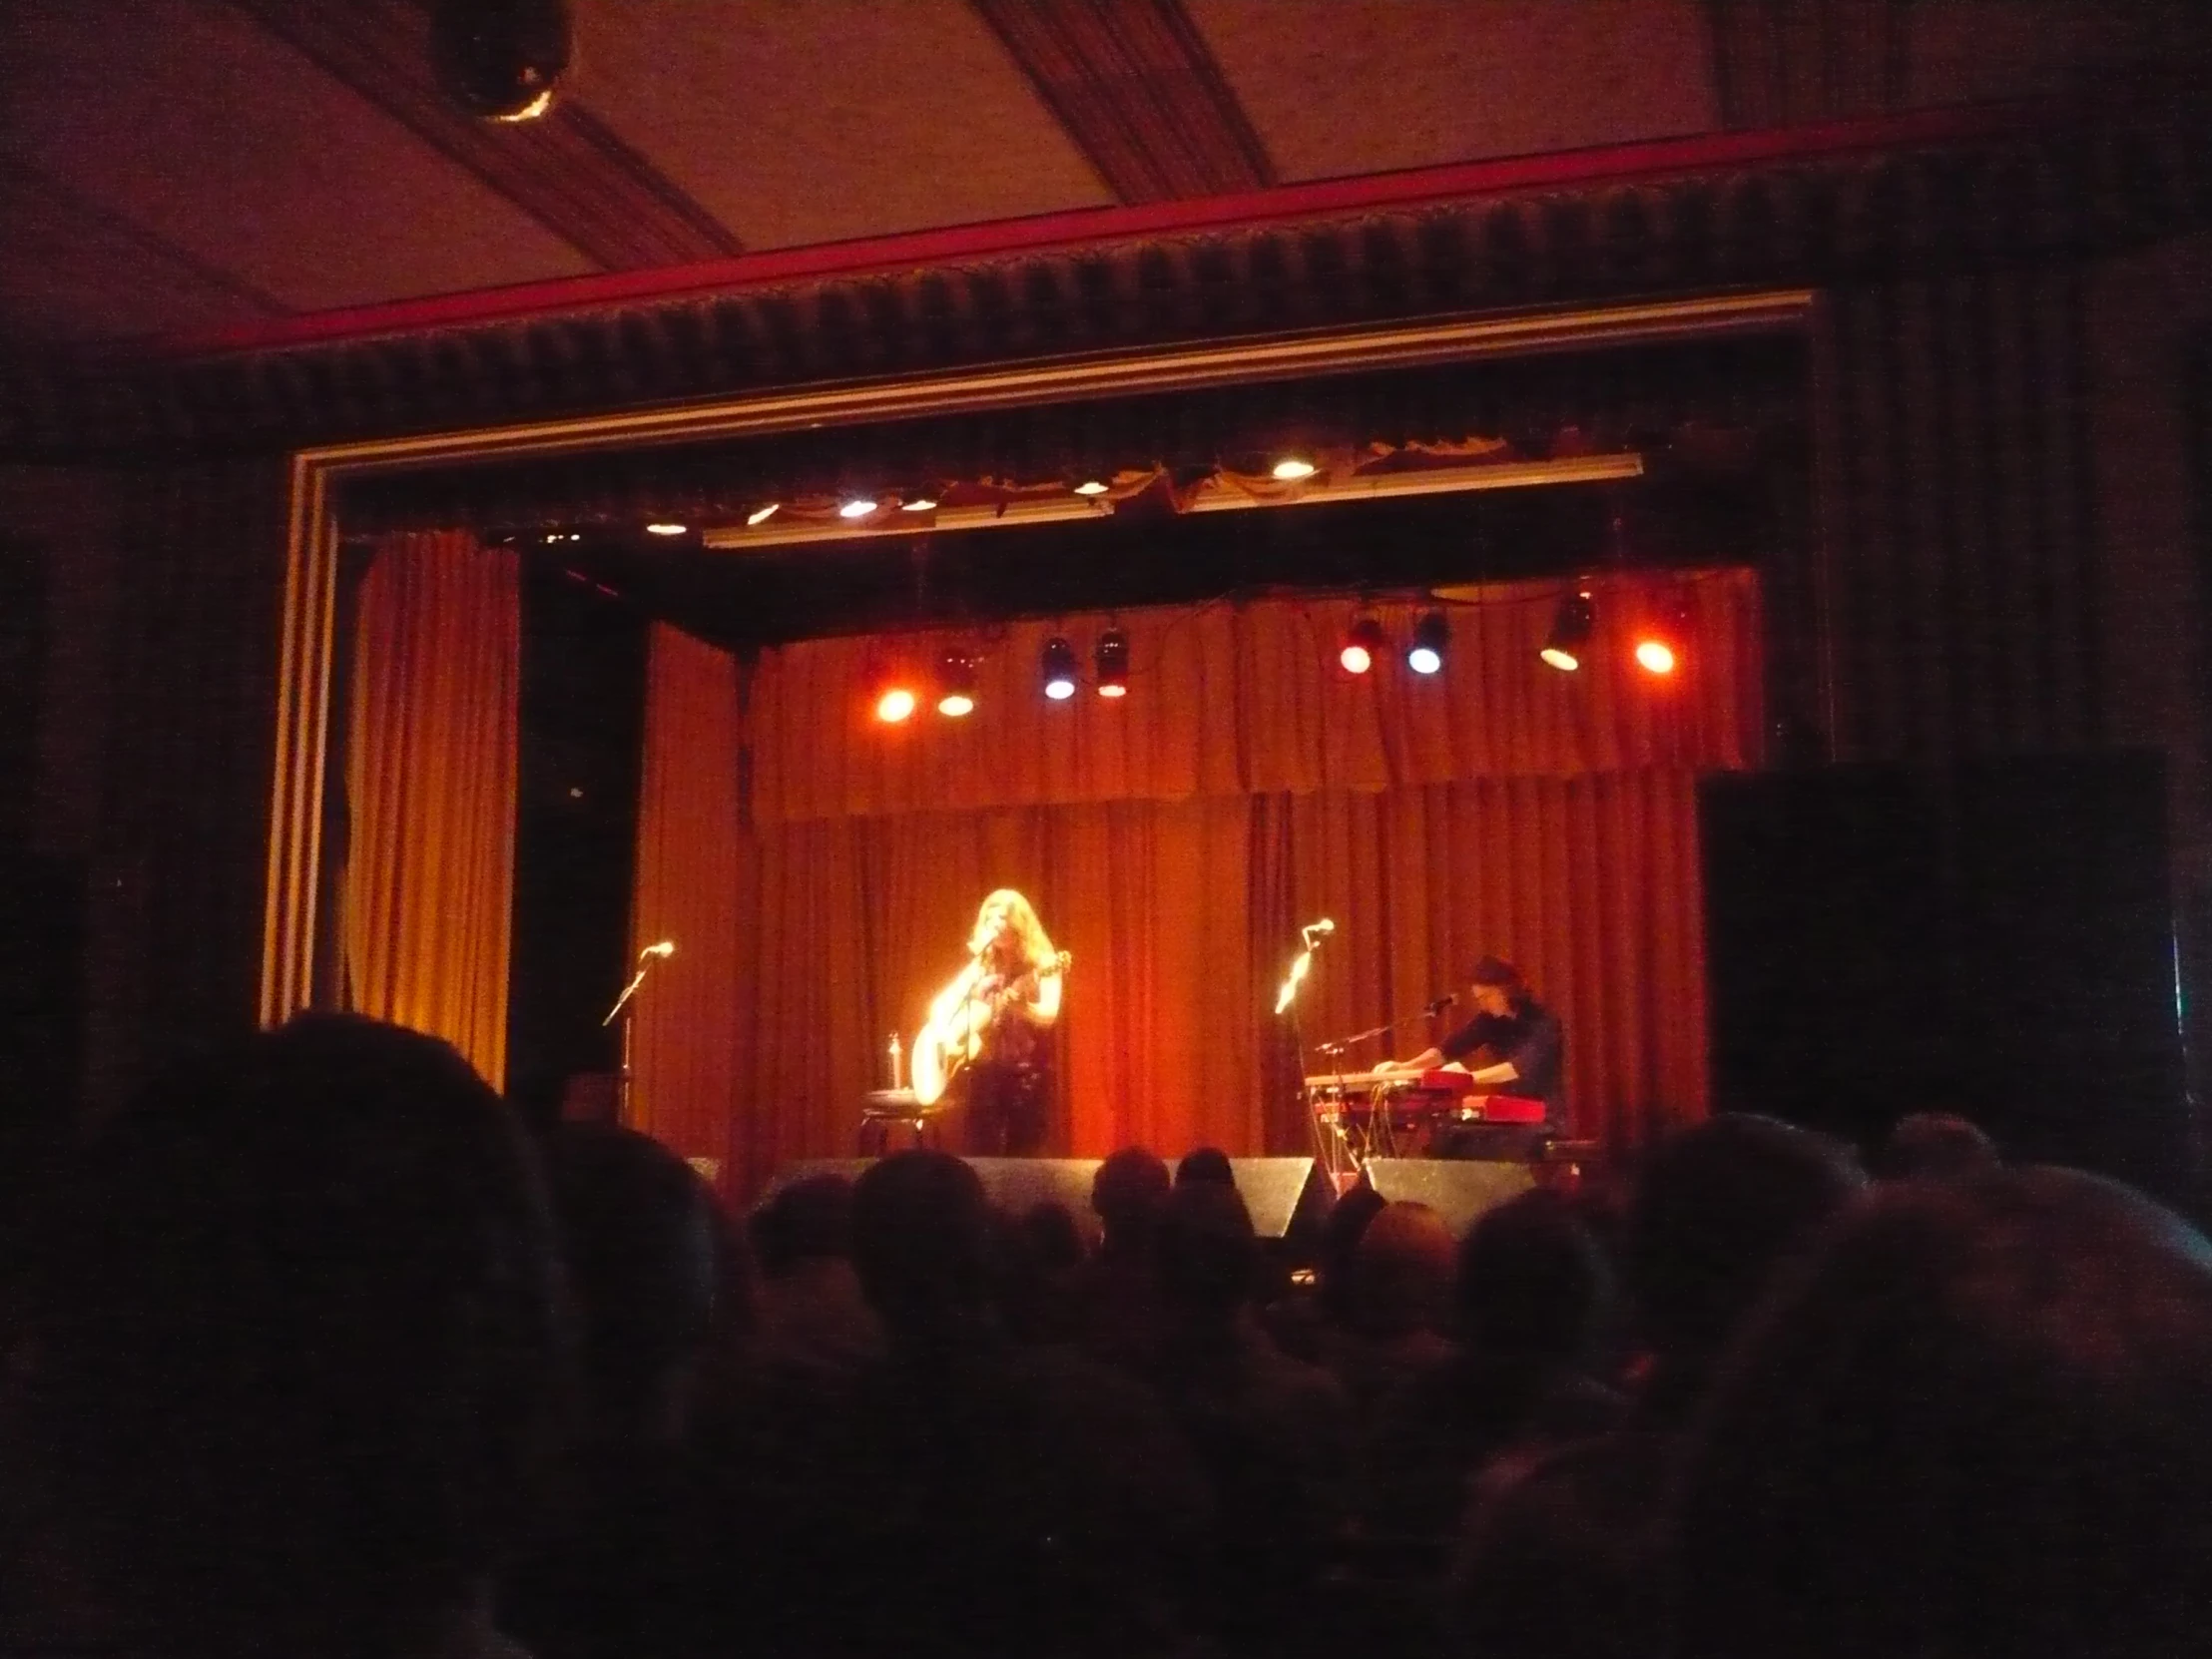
1248 698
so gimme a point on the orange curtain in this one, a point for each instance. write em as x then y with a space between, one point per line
683 1032
1569 845
431 788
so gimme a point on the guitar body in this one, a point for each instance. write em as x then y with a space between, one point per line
942 1046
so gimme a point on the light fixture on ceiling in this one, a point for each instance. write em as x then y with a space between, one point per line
1363 642
499 60
1056 668
1662 637
922 502
1110 661
1290 468
957 684
761 514
1092 486
857 506
1571 632
1425 653
891 692
665 527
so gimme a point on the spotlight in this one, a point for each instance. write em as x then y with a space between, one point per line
1363 644
761 514
1290 468
1662 637
1092 486
857 506
891 693
1570 633
499 60
957 684
666 528
922 503
1432 635
1057 667
1110 660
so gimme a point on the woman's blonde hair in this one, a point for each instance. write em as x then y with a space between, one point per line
1036 944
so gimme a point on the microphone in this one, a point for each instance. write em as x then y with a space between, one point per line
1441 1003
1320 930
666 949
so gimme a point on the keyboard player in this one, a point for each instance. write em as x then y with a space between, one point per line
1512 1045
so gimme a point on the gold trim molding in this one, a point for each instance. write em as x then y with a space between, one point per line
294 902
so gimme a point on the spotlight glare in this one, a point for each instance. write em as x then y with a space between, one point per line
894 704
1560 658
761 514
858 506
1290 468
1655 656
1363 644
532 110
1091 486
920 504
956 703
666 528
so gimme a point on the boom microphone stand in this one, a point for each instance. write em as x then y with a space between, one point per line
645 959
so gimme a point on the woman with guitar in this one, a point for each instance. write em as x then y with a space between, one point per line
989 1025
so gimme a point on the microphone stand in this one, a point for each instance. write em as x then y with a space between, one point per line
623 1076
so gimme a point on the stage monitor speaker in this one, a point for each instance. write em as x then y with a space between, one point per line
1286 1195
1460 1190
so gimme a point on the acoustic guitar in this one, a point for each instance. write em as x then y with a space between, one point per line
942 1047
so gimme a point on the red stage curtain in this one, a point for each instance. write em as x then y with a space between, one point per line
1569 845
430 790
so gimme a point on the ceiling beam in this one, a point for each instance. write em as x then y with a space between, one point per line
566 169
1137 89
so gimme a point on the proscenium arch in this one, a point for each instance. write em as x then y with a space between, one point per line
292 901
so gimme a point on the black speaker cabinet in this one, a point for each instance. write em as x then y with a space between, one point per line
1460 1190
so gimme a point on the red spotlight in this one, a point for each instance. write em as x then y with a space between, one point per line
893 693
1663 636
1363 644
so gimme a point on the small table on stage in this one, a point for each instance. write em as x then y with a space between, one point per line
883 1110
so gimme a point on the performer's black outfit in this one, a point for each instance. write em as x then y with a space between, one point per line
1531 1038
1009 1084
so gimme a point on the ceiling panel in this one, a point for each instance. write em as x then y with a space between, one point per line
187 120
82 275
1969 51
808 121
1338 89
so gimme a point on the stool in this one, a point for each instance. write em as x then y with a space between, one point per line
883 1110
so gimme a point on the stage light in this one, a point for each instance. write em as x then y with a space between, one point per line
892 692
924 503
763 513
1662 637
500 59
1110 661
955 684
1570 633
666 528
857 506
1092 486
1363 644
1290 468
1057 668
1431 637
